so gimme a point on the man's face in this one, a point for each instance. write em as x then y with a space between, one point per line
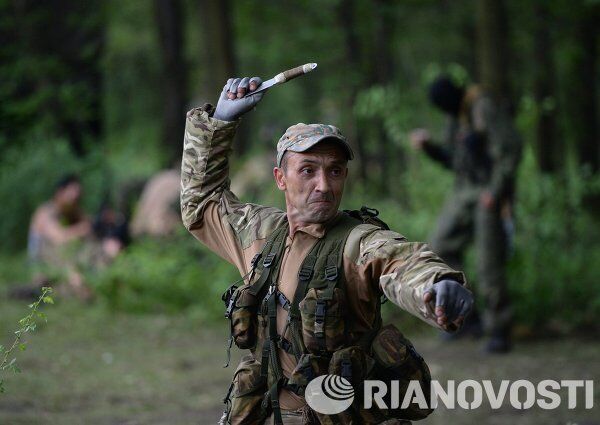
313 182
69 196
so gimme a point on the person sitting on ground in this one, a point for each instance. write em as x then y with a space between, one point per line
57 227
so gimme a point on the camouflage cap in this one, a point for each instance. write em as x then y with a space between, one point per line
301 137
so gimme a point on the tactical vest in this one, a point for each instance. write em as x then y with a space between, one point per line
319 326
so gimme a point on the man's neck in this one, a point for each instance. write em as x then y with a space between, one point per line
296 222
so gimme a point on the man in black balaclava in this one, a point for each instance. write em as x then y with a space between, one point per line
483 149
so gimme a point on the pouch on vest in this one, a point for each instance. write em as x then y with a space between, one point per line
396 360
243 317
351 363
308 368
247 394
355 365
323 321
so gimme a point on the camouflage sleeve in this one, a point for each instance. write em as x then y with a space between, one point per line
504 143
210 211
404 270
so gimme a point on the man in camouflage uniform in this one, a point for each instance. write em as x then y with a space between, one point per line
311 171
483 149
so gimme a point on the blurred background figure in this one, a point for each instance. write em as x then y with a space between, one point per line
57 230
111 230
482 148
157 212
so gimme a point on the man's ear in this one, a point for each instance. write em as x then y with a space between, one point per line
279 178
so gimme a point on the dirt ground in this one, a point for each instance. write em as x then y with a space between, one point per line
90 366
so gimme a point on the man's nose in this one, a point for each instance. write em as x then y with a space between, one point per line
323 184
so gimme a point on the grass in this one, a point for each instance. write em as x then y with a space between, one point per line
88 365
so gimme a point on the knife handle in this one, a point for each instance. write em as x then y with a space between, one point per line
290 74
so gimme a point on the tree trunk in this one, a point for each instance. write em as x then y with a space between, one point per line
221 62
170 31
546 137
583 94
492 47
383 71
218 31
354 131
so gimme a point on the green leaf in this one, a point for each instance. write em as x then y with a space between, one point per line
48 300
22 347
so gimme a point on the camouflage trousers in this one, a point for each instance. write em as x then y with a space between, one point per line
290 417
463 221
297 418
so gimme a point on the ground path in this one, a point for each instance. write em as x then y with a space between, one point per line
91 366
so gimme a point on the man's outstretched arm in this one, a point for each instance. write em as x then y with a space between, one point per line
416 279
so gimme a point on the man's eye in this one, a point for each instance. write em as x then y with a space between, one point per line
336 172
306 171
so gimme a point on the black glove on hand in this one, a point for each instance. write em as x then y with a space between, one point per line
232 103
453 302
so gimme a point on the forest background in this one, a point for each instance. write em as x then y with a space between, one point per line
101 88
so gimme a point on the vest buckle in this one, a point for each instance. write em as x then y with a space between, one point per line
268 260
304 273
331 273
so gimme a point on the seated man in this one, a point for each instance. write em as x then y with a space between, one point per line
56 232
314 275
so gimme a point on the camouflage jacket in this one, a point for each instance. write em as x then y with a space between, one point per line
375 260
481 145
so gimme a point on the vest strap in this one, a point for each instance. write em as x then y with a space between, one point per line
269 254
283 301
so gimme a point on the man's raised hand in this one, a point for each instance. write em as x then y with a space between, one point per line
232 103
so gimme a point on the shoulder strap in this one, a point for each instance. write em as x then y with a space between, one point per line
369 216
270 260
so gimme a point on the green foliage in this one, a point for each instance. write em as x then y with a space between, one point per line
27 324
557 257
170 275
45 48
28 174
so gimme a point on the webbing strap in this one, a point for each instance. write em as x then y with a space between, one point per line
283 301
332 269
269 256
304 275
274 396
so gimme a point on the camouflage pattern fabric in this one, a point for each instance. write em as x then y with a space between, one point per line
301 137
247 394
334 326
375 261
